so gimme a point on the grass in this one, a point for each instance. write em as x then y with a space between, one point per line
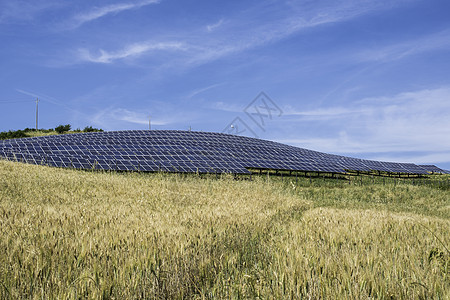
41 133
67 234
29 132
46 133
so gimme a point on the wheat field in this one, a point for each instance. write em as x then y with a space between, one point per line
67 234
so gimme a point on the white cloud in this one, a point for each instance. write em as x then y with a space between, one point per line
415 121
430 158
100 12
343 145
130 51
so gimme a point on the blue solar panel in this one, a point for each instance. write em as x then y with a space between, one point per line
184 151
433 169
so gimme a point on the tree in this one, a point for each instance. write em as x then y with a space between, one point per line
62 128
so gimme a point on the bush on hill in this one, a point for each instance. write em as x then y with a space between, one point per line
62 128
91 129
12 134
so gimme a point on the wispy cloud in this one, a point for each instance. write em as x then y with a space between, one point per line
228 107
100 12
436 41
111 116
49 99
202 90
32 94
24 11
41 96
327 113
161 114
240 32
298 16
126 115
212 27
130 51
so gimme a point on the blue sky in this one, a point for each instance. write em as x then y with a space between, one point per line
368 79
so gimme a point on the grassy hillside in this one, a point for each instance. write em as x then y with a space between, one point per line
75 234
30 132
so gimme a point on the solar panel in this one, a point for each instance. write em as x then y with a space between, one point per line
185 152
433 169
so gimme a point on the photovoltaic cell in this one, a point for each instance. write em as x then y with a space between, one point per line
185 152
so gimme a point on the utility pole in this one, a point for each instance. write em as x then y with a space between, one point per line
37 101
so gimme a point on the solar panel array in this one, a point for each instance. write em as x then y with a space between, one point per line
434 169
182 151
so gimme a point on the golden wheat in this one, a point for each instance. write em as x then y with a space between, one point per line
75 234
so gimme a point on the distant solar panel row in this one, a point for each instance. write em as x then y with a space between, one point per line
434 169
182 151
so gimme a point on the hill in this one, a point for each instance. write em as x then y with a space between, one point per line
80 234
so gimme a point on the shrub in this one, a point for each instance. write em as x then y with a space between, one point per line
62 128
12 134
91 129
